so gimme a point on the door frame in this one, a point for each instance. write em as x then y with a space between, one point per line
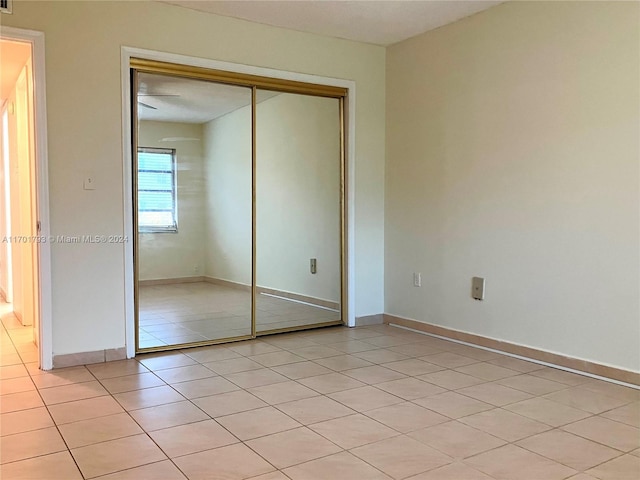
44 295
131 52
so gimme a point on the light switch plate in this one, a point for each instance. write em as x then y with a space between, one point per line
477 288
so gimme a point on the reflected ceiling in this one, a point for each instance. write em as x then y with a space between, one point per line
165 98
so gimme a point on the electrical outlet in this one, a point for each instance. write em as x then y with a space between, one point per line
89 183
477 288
196 269
417 279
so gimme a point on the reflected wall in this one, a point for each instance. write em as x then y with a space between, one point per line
298 165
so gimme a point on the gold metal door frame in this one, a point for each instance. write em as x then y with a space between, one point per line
254 184
134 186
254 82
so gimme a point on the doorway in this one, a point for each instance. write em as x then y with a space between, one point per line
19 231
239 222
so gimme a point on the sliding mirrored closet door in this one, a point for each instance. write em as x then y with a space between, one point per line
194 211
298 182
238 185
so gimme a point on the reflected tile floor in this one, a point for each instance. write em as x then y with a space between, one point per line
366 403
195 312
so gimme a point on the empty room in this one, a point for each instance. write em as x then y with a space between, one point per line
316 240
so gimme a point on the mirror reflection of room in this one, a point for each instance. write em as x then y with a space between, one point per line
297 211
195 224
186 211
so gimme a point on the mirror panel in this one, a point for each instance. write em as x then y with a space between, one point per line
298 180
194 191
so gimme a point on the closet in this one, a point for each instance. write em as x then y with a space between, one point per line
239 188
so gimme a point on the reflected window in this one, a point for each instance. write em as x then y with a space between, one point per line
157 196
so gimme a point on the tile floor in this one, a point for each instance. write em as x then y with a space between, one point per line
356 404
195 312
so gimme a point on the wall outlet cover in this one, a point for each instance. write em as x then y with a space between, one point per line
89 183
477 288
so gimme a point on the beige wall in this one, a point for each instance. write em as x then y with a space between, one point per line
297 195
181 254
227 173
83 46
14 250
512 154
22 176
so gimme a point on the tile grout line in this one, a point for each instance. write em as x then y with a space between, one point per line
128 412
54 423
365 413
308 426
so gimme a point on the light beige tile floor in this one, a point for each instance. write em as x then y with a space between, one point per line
199 311
356 404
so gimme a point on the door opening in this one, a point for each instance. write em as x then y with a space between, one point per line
19 235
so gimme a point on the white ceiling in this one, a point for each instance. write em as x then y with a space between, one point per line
379 22
186 100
